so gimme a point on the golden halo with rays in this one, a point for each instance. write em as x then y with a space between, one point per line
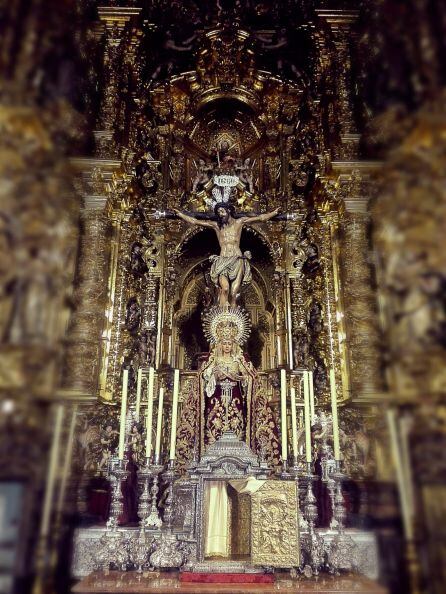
223 323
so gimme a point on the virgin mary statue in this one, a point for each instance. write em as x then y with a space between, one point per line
227 386
229 403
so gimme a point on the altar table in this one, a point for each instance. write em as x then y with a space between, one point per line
169 583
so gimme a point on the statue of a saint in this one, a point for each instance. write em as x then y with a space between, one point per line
231 269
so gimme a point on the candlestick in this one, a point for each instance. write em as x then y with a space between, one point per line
294 421
312 542
173 431
149 423
159 424
312 411
307 417
334 414
117 474
138 393
125 381
283 414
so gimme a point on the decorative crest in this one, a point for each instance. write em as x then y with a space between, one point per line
221 192
226 323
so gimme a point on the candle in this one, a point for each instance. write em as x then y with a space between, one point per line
125 380
52 471
294 420
173 431
334 414
283 414
67 463
138 393
312 411
158 424
307 417
149 419
402 486
405 425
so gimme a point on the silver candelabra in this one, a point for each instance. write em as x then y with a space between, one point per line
117 473
153 519
313 544
341 550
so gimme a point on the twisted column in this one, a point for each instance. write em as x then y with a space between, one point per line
344 81
83 349
340 23
360 308
115 19
280 317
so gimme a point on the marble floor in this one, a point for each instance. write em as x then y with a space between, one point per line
168 583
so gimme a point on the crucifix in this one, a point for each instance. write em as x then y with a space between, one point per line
230 269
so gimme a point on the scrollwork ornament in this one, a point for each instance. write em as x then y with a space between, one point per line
341 553
140 549
169 552
114 550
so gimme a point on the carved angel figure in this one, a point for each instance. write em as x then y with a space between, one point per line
202 176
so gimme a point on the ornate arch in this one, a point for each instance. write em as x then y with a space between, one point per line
192 231
186 327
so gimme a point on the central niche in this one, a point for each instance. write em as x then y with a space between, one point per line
226 127
198 292
226 119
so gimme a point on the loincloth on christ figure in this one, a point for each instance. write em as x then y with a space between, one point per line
229 266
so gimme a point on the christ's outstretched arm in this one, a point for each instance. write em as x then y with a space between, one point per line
194 221
260 218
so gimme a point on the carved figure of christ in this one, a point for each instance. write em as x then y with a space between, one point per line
230 269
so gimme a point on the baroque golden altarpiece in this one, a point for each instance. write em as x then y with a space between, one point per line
269 99
223 134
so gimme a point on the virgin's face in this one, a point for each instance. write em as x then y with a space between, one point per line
226 346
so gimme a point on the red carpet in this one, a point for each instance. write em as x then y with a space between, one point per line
226 578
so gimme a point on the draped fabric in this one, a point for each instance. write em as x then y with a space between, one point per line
217 541
230 266
218 515
247 485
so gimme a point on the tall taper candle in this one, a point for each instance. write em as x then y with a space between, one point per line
149 421
312 410
173 430
159 424
138 392
307 417
402 484
294 421
125 381
52 471
334 414
283 418
67 463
